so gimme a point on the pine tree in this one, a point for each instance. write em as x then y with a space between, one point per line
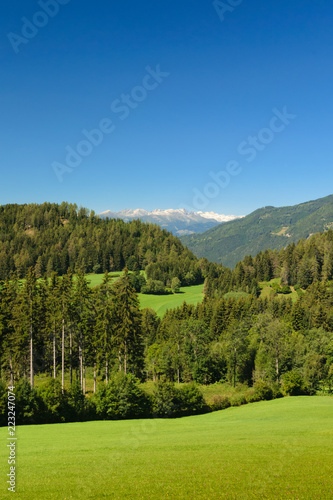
128 325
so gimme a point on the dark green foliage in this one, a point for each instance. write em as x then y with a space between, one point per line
3 404
56 403
293 384
262 390
154 287
51 237
30 407
122 398
166 400
192 401
170 401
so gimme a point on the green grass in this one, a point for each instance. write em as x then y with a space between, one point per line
96 279
267 291
281 449
160 303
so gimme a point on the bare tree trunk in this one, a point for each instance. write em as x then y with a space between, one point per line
84 366
31 355
11 370
119 357
81 360
70 356
54 352
84 378
235 361
95 376
125 358
107 371
277 368
63 356
178 373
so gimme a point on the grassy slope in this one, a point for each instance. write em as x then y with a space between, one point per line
279 449
160 303
265 228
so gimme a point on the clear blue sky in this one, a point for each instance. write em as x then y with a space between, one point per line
225 78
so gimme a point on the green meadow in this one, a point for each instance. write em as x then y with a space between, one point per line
281 449
159 303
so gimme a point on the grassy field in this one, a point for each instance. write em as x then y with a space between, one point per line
267 291
159 303
281 449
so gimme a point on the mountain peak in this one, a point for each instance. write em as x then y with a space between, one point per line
179 221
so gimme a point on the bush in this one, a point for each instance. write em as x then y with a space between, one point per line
55 402
30 407
238 400
263 390
166 400
293 384
3 404
77 403
170 402
219 402
155 287
192 401
122 398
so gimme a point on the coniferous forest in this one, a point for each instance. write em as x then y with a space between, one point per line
53 323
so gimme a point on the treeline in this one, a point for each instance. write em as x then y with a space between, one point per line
121 398
248 339
309 261
61 326
55 238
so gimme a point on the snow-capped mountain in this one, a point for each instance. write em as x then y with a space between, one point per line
178 221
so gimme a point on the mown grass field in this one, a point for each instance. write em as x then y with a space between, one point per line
281 449
267 291
159 303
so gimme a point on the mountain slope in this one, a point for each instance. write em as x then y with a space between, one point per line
179 222
267 227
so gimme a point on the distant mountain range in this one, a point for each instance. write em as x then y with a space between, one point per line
268 227
180 222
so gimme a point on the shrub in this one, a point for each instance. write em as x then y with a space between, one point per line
263 390
192 401
3 404
30 407
122 398
166 400
219 402
293 384
55 402
238 400
76 402
170 402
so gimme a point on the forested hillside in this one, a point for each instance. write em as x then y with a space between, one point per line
309 261
59 326
265 228
51 237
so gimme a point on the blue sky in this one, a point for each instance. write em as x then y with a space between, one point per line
182 94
